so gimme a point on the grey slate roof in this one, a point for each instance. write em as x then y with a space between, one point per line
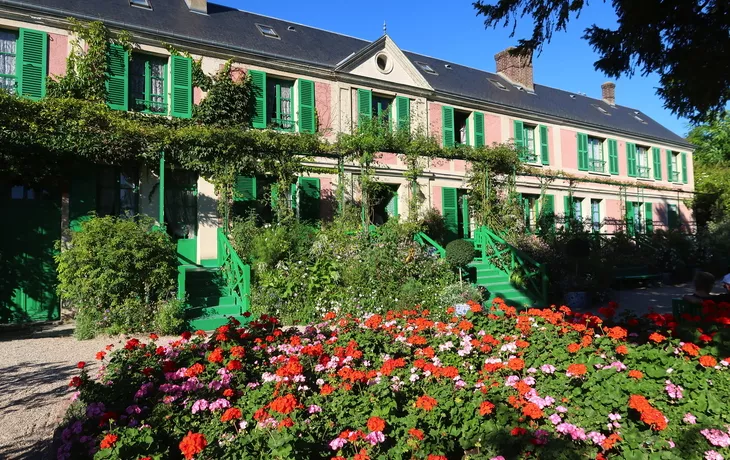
235 29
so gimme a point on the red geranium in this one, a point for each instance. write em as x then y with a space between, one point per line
515 364
232 413
518 431
573 348
416 433
192 444
485 408
657 338
634 374
708 361
284 404
109 441
426 402
376 424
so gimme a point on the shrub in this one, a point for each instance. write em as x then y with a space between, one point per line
545 384
460 253
434 225
115 273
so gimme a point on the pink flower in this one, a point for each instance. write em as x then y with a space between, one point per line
199 405
337 443
712 455
555 419
375 437
689 418
674 391
547 368
313 409
499 457
716 437
596 437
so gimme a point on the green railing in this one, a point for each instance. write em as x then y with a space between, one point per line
424 240
235 272
502 255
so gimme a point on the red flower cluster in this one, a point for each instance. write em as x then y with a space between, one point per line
426 403
649 415
192 444
109 441
284 404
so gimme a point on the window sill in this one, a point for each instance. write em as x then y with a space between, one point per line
597 173
646 179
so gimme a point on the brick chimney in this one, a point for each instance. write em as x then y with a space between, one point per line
515 68
198 6
608 93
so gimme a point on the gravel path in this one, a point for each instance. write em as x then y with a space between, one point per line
35 368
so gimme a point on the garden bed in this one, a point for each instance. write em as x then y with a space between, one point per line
469 382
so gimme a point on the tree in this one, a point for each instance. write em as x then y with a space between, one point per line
712 169
686 42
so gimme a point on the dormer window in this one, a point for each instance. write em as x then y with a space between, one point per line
141 3
426 68
498 85
267 31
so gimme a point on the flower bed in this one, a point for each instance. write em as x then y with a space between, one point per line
472 383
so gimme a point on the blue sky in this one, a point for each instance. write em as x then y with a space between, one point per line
451 30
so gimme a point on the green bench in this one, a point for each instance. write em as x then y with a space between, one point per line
681 306
641 273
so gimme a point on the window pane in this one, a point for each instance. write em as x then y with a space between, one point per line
7 41
286 106
17 192
137 81
8 84
7 64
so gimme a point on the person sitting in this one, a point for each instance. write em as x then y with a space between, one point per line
703 286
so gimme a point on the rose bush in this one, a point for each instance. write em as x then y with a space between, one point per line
474 382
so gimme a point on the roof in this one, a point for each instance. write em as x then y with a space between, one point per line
231 28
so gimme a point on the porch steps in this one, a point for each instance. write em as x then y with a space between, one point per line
497 284
209 301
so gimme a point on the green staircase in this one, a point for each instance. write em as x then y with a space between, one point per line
497 284
213 294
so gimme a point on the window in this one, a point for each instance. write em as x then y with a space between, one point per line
636 218
530 152
279 103
382 107
673 217
181 203
117 192
461 123
498 85
578 209
596 215
141 3
426 68
642 162
267 31
596 162
148 84
530 210
675 167
8 41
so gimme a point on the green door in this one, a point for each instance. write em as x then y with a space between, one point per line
27 268
181 213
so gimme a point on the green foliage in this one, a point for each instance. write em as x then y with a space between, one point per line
459 293
671 39
229 101
711 170
114 274
434 225
460 253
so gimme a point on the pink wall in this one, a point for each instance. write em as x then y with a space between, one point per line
569 143
323 104
459 165
613 211
686 217
328 201
434 120
436 198
623 166
440 163
57 53
197 95
492 129
387 158
238 72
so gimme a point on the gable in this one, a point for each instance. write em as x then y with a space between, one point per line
383 60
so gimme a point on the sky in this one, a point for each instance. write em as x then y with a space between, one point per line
450 30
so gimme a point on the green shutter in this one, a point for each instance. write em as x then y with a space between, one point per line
582 152
182 87
656 153
293 196
544 146
450 211
117 82
82 199
631 158
519 137
465 221
245 189
548 208
307 123
649 218
478 129
447 123
630 229
32 62
567 210
392 207
258 81
684 168
672 217
670 172
364 105
309 193
403 106
613 156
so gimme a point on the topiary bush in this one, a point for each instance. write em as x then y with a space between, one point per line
460 253
117 275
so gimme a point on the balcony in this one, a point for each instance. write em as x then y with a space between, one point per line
598 166
527 156
675 176
642 172
282 123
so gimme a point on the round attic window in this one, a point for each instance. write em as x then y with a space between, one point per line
384 63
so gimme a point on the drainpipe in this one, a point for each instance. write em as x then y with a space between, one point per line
162 190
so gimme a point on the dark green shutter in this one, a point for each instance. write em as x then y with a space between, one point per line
568 210
403 106
392 207
648 216
258 81
82 199
364 105
670 172
245 189
582 152
447 123
684 168
309 193
307 122
672 217
630 228
465 221
631 158
544 145
293 196
519 137
613 156
32 63
117 82
182 87
478 129
548 209
450 211
656 153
